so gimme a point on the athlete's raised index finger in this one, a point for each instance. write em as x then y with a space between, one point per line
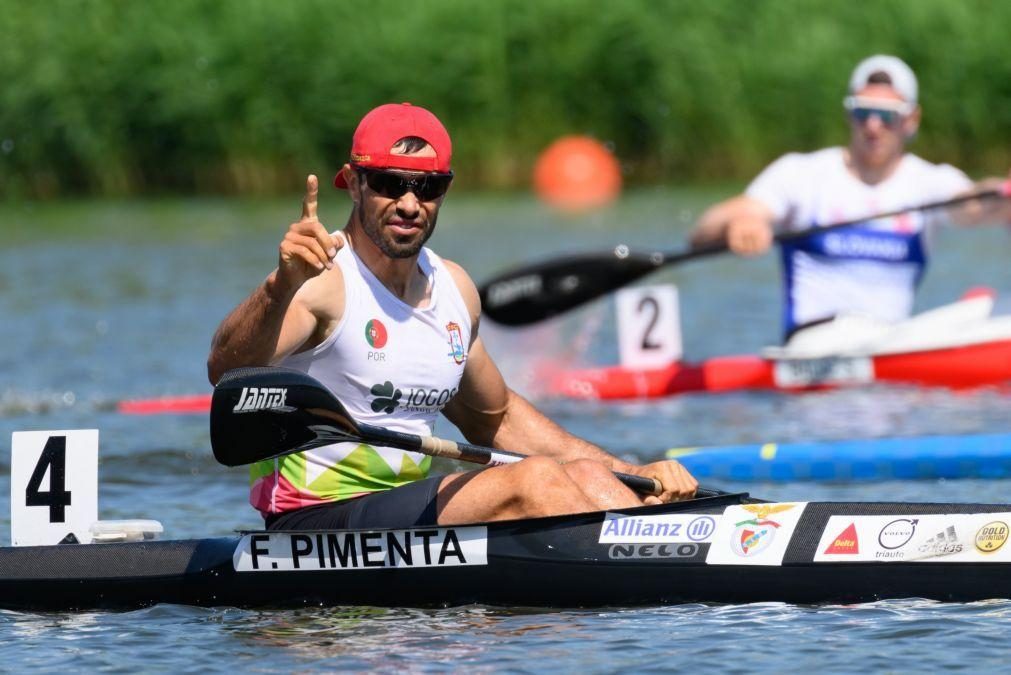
311 195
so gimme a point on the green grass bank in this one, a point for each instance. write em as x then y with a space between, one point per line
111 97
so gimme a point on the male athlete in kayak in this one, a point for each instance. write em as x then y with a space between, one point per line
874 268
392 330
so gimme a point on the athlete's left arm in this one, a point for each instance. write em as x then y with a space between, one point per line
488 412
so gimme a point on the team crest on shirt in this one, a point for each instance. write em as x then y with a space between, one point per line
456 349
375 334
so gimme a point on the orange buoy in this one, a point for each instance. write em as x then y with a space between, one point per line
576 173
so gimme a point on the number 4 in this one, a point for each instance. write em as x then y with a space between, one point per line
57 498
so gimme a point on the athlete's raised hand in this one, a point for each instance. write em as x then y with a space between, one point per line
307 248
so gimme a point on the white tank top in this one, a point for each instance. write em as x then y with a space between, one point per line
871 269
391 365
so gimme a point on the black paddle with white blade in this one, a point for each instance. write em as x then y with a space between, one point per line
261 413
535 292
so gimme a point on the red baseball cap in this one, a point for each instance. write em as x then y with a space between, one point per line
387 124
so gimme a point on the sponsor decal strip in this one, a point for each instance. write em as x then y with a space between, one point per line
828 370
956 537
314 551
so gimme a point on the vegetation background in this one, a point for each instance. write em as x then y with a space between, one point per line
112 97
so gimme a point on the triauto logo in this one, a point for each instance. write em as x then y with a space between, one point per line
897 533
375 334
388 398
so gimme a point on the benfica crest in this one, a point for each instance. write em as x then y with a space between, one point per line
456 349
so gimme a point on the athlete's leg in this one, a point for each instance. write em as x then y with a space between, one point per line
600 485
536 486
411 505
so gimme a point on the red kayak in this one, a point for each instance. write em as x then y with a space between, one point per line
958 346
957 367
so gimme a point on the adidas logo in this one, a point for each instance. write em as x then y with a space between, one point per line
944 542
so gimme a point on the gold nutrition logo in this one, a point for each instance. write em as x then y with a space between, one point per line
991 536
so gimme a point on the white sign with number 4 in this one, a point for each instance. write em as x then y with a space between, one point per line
649 328
54 486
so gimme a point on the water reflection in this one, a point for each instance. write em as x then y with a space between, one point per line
111 330
372 637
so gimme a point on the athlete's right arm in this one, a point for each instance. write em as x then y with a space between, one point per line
743 223
286 310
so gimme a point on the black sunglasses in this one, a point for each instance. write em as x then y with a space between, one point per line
889 118
426 187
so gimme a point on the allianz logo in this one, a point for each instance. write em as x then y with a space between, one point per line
261 398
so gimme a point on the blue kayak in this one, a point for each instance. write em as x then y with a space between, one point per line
912 458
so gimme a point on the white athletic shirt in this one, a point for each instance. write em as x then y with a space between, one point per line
391 365
872 268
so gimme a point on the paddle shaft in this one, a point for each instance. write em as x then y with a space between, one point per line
476 454
465 452
535 292
259 413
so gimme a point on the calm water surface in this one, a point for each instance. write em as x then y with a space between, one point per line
108 301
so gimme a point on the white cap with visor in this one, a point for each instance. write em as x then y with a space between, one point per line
902 76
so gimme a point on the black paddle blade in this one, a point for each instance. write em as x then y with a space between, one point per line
260 413
535 292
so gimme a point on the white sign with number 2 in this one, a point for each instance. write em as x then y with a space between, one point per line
649 328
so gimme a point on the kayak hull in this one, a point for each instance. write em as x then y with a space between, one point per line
963 367
556 562
986 456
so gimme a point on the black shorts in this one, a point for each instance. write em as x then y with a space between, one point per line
410 505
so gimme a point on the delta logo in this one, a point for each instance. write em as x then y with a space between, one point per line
375 334
846 543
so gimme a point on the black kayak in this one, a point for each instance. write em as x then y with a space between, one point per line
722 549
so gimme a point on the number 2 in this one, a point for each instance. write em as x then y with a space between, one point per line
57 498
651 302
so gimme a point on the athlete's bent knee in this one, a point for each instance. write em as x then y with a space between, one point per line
543 487
587 471
540 473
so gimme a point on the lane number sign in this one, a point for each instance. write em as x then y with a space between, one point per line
649 328
54 486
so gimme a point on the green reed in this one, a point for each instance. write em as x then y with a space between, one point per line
217 96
